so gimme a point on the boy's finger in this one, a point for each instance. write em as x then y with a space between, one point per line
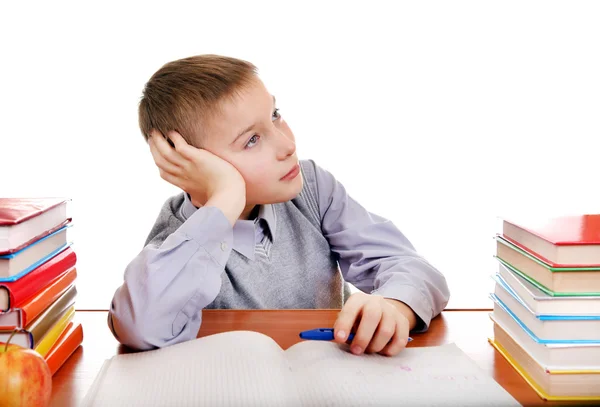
160 161
154 134
180 144
370 317
171 179
187 151
165 150
153 150
384 333
345 320
399 340
177 139
166 166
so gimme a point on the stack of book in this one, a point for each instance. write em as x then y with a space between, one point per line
546 298
37 278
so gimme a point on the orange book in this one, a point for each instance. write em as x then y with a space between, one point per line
38 304
65 346
35 331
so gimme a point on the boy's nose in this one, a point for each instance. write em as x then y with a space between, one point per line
286 147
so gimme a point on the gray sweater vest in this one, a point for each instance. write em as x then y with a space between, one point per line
297 271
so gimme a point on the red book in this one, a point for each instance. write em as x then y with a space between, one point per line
567 241
16 293
23 315
25 220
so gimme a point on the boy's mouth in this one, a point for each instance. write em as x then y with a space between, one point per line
293 173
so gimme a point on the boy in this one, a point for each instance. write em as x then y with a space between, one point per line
257 228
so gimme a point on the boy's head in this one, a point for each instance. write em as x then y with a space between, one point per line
219 104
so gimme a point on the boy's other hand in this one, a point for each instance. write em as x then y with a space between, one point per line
383 324
207 178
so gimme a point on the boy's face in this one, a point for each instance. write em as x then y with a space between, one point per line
250 134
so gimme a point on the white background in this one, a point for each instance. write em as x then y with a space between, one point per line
443 116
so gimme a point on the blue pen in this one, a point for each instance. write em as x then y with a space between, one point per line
325 334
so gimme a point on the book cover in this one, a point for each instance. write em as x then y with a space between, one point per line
35 331
521 354
499 305
535 386
544 303
551 266
574 357
582 279
543 317
15 265
564 230
13 294
542 287
35 238
568 241
50 338
17 210
64 347
41 325
40 302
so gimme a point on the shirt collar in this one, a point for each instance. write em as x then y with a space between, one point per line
244 236
267 212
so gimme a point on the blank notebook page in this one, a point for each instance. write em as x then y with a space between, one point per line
249 369
328 374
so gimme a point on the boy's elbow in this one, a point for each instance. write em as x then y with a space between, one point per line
147 331
128 333
442 296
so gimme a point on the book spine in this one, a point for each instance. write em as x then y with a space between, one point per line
54 332
41 325
30 284
42 301
66 345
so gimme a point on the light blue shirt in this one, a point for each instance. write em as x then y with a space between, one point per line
179 272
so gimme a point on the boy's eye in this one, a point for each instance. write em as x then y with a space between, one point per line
276 115
252 142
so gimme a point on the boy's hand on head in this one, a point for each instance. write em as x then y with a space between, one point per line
210 180
383 324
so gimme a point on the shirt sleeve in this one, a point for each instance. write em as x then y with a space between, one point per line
375 256
167 285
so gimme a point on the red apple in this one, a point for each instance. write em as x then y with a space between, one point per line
25 378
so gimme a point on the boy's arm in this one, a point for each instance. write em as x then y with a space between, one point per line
375 256
172 279
178 273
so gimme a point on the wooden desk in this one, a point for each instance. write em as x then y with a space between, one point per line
468 329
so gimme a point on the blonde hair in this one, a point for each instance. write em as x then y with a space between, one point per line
184 92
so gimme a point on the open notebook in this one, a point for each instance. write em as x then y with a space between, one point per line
244 368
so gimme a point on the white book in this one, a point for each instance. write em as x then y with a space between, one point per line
11 318
542 303
15 235
243 368
551 356
573 279
566 329
30 257
554 356
550 384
